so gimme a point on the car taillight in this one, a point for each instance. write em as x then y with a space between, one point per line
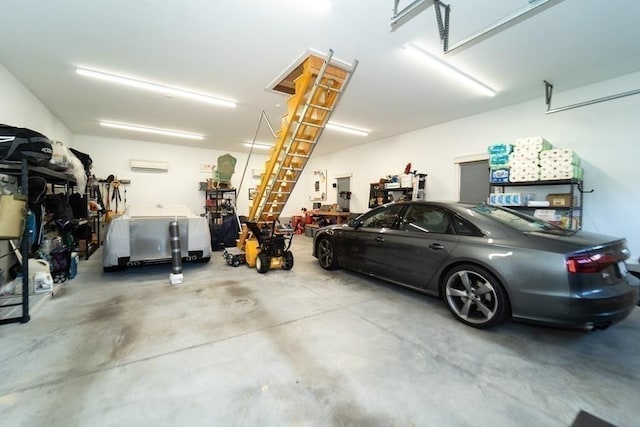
589 263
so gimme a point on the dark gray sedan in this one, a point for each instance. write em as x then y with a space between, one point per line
488 263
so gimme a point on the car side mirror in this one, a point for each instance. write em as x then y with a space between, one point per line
354 223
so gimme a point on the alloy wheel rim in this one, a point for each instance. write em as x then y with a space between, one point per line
326 254
471 297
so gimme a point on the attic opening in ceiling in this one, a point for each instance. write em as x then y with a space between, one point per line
284 83
442 12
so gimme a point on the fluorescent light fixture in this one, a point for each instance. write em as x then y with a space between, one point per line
259 145
138 128
155 87
346 129
450 70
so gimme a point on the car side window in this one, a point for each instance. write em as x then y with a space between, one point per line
426 218
383 218
465 228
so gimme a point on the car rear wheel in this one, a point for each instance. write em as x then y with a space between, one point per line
327 254
475 297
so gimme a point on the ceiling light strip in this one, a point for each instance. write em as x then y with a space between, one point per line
450 70
155 87
138 128
347 129
259 145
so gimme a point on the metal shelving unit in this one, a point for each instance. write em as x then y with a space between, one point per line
20 169
576 188
24 171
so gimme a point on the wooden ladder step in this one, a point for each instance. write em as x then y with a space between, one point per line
321 107
330 88
315 125
309 141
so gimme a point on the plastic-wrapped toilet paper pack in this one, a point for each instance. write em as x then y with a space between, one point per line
561 155
524 174
532 143
500 148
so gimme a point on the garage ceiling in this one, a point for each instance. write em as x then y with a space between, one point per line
234 49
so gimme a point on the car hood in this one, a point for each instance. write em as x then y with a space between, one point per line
574 241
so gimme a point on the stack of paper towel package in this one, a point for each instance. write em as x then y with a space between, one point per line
531 159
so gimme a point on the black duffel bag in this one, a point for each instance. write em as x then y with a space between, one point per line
22 143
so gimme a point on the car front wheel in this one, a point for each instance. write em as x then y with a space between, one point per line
475 297
327 254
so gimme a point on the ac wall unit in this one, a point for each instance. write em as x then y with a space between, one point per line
150 165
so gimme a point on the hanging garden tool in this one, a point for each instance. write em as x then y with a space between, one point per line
107 184
115 195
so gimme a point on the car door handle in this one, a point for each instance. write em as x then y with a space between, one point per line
436 246
379 239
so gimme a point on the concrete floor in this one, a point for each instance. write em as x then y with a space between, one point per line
299 347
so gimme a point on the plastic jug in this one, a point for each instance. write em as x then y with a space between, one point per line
73 268
42 282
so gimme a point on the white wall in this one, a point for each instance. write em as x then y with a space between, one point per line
605 135
20 108
180 184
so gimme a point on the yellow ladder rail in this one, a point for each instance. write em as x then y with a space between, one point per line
317 90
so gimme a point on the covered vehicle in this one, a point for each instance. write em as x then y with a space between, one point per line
488 263
140 236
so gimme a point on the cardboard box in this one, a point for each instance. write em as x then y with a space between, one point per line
12 213
549 215
560 200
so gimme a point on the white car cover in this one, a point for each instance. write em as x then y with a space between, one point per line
141 236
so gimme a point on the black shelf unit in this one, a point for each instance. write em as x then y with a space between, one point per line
379 195
219 202
20 169
90 245
23 171
573 211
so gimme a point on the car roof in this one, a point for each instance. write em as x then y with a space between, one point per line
452 205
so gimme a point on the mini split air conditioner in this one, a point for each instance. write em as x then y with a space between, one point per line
149 165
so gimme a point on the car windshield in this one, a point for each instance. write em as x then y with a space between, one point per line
517 220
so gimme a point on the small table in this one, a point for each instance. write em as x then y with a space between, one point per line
330 214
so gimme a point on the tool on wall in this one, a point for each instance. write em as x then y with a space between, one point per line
112 189
115 194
